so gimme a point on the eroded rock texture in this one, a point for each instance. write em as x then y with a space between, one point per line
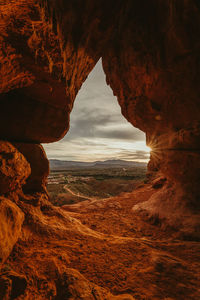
35 155
14 169
10 227
152 65
47 52
150 53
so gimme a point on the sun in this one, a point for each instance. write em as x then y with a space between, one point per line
147 148
142 146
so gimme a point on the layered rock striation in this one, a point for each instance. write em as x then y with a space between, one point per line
150 54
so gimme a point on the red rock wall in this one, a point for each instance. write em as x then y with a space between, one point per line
152 65
150 53
46 53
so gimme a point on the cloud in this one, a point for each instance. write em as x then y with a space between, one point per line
136 155
99 124
87 150
121 134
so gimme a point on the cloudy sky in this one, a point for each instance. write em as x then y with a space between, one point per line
98 131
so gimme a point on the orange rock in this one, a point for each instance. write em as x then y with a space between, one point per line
39 164
14 169
76 286
11 220
150 54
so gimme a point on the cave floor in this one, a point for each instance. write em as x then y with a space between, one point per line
111 246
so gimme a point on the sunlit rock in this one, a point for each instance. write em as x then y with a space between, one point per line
35 155
11 220
150 54
14 169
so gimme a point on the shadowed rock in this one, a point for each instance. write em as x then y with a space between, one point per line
150 54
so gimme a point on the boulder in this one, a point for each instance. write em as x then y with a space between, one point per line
11 220
36 156
14 169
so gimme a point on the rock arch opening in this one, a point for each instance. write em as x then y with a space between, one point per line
96 119
100 145
142 245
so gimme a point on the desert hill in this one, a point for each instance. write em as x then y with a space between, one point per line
56 164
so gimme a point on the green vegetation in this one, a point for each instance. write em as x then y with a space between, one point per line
75 185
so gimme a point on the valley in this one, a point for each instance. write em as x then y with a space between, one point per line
75 184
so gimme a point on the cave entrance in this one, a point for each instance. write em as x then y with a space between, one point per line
102 155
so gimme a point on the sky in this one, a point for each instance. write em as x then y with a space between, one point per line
98 131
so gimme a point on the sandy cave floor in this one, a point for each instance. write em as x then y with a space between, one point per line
111 246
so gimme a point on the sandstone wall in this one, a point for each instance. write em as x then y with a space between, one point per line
150 53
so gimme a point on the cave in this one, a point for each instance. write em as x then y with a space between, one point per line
102 154
144 245
98 130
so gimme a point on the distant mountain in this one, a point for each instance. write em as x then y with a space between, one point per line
56 164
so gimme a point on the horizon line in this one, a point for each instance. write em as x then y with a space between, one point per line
102 160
